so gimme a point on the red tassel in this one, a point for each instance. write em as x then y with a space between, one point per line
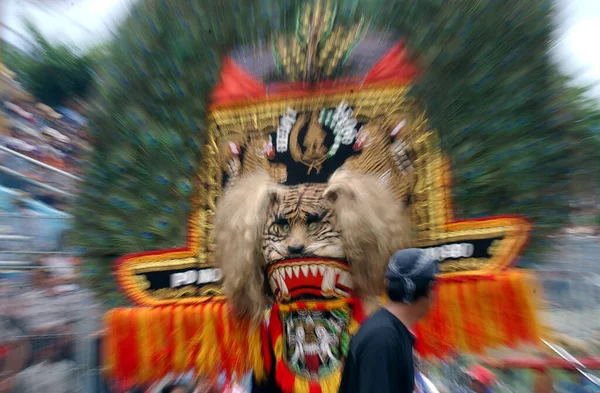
511 319
440 325
314 387
358 310
285 378
266 348
275 328
130 352
225 357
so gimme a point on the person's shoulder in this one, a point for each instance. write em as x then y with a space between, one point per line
382 329
375 332
376 338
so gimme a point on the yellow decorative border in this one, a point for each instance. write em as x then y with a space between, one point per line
314 305
431 211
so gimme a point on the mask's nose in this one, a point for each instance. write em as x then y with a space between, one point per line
296 248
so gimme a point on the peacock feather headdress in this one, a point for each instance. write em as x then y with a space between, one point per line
194 86
485 81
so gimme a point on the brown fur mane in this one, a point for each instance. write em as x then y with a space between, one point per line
370 220
372 225
239 224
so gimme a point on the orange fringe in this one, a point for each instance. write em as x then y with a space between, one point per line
144 344
473 314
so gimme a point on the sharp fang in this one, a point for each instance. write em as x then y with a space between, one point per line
328 282
284 290
349 283
344 278
289 272
322 270
282 286
296 270
341 292
304 269
313 270
273 284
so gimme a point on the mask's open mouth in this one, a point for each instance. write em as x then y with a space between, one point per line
309 278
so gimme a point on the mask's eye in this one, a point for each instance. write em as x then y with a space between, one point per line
313 221
280 227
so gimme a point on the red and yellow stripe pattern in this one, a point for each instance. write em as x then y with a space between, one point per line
287 380
144 344
475 313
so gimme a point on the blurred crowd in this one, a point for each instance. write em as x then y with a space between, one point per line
50 337
39 132
39 313
52 136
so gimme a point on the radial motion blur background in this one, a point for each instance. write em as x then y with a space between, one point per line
512 87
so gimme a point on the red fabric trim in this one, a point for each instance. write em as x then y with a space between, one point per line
266 349
293 260
284 91
488 218
284 377
465 278
237 84
275 328
393 67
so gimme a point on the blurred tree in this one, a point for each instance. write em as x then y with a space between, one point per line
516 133
12 57
51 72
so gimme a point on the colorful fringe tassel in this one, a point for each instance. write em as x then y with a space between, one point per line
471 314
287 380
475 313
145 344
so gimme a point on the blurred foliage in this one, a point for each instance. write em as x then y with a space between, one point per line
12 57
520 139
53 73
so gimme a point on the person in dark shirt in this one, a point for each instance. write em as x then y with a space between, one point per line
380 359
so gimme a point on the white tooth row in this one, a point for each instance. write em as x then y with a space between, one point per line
329 274
311 349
